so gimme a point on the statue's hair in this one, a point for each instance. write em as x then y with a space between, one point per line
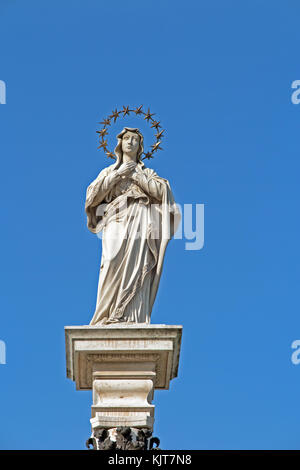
118 149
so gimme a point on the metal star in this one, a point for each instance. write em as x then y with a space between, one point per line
102 133
156 125
148 115
138 110
159 134
115 114
156 146
103 145
148 155
110 155
125 110
105 122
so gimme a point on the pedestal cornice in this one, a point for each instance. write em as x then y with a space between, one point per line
88 345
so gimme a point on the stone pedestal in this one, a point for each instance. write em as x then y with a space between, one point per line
123 365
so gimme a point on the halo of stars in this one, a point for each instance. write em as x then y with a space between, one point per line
126 112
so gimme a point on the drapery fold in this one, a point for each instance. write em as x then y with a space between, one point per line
138 216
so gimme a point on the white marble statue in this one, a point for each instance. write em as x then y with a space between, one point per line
136 212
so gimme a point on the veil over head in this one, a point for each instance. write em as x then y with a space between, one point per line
118 149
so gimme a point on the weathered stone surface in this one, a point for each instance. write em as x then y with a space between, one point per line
122 438
123 365
90 345
136 212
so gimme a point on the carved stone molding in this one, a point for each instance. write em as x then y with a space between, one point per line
122 438
123 365
126 357
161 340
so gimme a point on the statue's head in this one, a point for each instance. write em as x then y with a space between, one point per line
131 142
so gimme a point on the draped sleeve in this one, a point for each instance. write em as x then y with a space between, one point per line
96 194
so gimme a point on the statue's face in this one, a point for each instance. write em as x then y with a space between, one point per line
130 144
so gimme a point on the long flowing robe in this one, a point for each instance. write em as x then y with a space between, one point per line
137 216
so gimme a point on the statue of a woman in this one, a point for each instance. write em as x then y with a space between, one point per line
136 211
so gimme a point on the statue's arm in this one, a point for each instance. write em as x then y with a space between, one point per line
101 186
151 183
111 180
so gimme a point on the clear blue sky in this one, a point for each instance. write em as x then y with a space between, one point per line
218 74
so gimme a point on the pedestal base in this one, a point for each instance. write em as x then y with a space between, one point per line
123 364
